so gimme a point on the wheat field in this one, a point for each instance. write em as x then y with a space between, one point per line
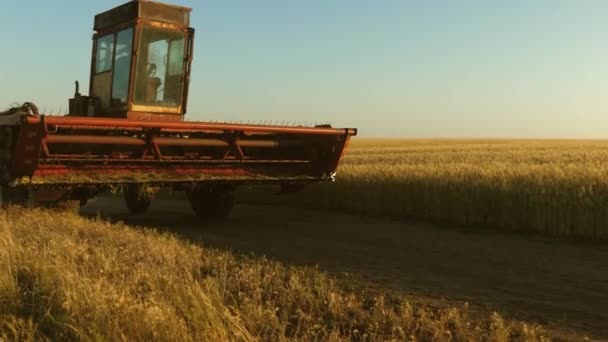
67 278
557 187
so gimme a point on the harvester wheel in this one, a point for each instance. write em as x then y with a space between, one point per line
137 199
212 202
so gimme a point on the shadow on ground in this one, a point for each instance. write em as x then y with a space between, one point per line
557 283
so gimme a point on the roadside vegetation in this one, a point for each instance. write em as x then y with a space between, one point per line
65 277
554 187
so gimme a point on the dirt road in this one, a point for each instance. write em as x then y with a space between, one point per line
557 283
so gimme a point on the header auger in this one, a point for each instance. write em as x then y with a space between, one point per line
130 132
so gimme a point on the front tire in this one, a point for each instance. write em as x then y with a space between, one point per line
137 199
212 202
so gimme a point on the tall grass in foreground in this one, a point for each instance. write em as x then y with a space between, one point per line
556 187
69 278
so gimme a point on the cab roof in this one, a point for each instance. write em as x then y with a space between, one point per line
146 9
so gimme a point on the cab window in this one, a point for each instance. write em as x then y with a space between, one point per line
160 67
122 66
105 52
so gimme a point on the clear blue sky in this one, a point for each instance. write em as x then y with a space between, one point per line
389 67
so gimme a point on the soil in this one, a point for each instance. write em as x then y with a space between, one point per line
559 283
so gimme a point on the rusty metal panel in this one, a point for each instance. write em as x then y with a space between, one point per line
27 149
101 88
155 109
155 116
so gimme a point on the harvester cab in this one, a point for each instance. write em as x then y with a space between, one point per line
140 67
129 133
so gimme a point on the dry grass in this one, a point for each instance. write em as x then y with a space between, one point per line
555 187
69 278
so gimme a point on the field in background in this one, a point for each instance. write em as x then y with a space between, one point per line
556 187
65 277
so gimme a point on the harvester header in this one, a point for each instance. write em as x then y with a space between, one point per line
130 132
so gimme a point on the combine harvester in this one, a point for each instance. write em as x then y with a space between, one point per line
130 132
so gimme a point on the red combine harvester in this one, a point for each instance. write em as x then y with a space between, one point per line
130 132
